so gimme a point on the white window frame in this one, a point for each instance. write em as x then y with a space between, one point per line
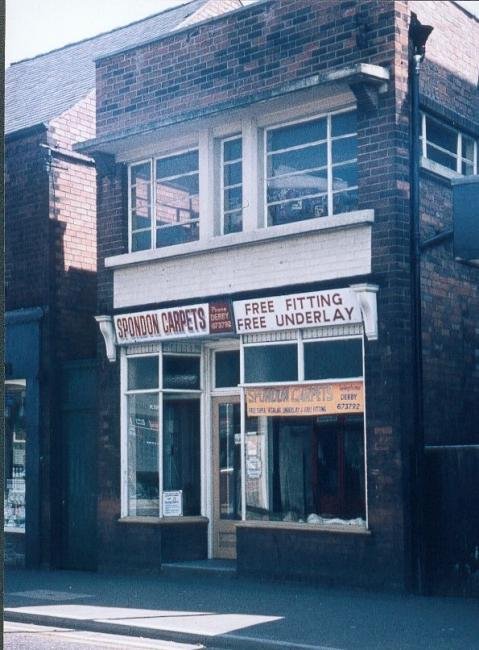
159 391
329 162
457 155
153 228
223 187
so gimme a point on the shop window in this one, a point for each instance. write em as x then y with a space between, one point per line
227 369
448 147
270 363
340 359
306 470
232 185
311 169
174 437
15 455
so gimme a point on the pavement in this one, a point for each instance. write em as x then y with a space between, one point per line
225 611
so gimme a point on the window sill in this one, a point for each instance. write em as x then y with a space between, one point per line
437 170
14 531
163 521
317 528
344 220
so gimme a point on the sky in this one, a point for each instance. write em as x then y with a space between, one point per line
37 26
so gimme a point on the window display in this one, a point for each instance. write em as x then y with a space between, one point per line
305 470
15 455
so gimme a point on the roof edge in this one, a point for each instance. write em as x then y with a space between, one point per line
25 131
182 30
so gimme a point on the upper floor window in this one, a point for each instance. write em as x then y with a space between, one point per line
232 185
448 147
174 194
311 168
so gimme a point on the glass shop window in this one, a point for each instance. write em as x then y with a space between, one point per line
174 437
306 470
227 369
333 359
15 455
270 363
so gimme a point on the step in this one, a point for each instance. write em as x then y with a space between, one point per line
213 568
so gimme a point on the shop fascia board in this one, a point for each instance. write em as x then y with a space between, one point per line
236 240
364 80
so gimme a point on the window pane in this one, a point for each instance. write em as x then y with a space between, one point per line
468 149
176 165
233 198
232 149
227 369
177 234
441 158
181 450
297 210
297 160
344 149
139 222
140 200
140 173
345 176
297 134
333 359
467 169
232 174
143 480
141 241
181 372
233 222
15 456
266 363
345 201
343 123
441 135
298 185
142 373
305 470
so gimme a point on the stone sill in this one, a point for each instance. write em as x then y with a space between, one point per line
163 521
237 240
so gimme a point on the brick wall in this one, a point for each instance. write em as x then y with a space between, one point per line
233 57
26 223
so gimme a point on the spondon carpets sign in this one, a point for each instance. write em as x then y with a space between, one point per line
298 310
176 322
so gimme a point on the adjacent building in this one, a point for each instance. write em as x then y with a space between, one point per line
254 274
51 261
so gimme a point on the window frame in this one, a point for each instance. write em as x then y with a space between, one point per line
153 228
160 392
329 160
223 187
459 158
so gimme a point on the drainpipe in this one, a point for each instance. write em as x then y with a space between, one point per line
418 35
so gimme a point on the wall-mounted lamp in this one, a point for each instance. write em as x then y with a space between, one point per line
108 331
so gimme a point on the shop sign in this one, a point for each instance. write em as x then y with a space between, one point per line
336 398
173 503
174 323
294 311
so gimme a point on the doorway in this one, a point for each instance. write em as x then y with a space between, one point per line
226 451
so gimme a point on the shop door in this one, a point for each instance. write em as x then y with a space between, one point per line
226 449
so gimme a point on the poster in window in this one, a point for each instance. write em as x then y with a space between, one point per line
173 503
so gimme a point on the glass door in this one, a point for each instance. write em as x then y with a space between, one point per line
226 449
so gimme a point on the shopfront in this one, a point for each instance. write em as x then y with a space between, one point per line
242 413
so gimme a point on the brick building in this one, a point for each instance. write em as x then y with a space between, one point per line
254 295
51 261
